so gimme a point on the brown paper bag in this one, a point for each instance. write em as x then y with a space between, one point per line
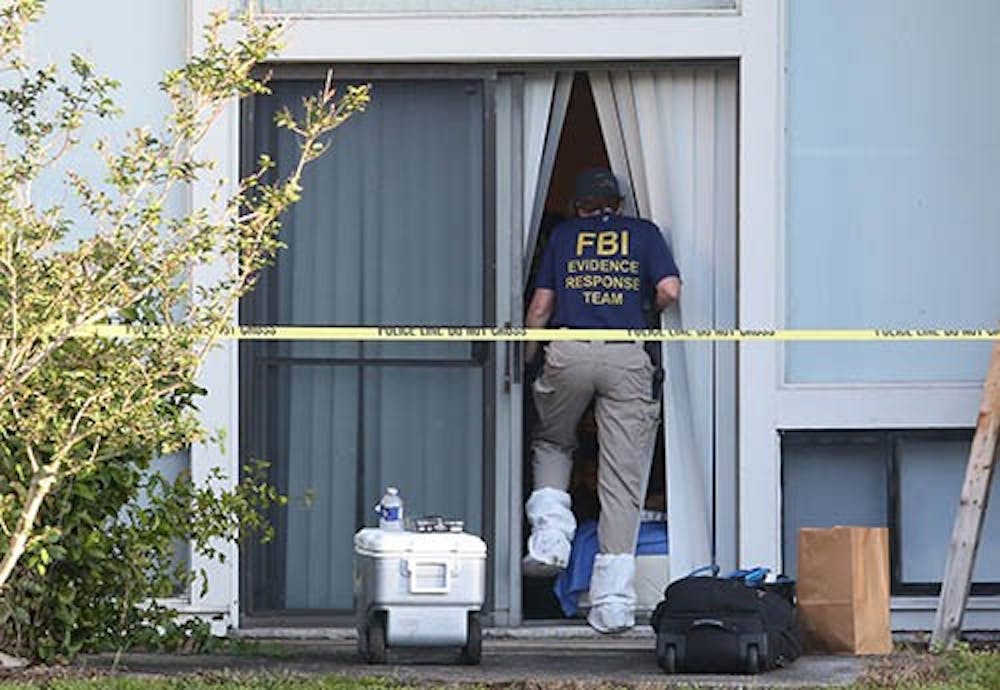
843 589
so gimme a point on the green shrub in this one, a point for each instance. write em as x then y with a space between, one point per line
110 552
89 532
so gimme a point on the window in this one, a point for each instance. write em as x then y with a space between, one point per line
893 152
908 481
827 480
930 472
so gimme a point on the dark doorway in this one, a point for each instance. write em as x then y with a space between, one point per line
581 146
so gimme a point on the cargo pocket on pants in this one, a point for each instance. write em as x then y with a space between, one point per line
543 394
541 387
646 422
552 370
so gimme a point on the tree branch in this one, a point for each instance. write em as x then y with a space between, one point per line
40 486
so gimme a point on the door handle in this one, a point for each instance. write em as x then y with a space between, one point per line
480 351
517 347
512 366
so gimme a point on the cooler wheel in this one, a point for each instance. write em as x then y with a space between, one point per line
376 640
472 652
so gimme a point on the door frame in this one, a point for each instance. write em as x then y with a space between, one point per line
723 360
502 496
754 34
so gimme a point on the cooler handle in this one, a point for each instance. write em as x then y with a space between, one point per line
416 588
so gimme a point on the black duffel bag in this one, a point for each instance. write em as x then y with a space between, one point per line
720 625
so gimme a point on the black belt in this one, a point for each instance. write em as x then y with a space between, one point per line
606 342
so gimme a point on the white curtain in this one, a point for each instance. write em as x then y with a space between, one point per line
546 97
530 109
671 137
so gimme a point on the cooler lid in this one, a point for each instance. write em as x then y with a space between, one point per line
379 542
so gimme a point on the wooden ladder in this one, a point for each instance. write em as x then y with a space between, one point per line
971 509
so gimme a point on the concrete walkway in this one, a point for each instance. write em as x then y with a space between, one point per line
562 663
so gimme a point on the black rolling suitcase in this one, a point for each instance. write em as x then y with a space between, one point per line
720 625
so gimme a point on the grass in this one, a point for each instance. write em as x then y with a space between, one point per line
237 646
962 668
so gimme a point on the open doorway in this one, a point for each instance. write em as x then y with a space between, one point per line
581 146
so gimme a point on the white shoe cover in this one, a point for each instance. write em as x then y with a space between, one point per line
612 593
552 529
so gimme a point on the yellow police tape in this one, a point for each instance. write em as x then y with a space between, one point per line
487 333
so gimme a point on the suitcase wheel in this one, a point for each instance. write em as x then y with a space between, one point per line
668 659
472 652
376 639
752 660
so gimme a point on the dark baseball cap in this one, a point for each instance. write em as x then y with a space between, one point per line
596 182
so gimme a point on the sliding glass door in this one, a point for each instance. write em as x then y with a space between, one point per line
392 229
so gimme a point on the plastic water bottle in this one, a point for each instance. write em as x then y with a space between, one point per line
390 510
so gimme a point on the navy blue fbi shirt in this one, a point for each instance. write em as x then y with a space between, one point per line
602 269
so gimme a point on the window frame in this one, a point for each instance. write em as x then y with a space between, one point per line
558 12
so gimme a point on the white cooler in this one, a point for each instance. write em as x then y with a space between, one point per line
416 589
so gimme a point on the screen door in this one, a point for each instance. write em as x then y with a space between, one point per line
391 230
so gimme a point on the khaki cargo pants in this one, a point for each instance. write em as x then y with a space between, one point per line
618 376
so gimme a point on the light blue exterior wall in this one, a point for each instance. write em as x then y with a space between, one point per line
133 42
893 216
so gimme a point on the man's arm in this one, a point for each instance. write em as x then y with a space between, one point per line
543 303
668 290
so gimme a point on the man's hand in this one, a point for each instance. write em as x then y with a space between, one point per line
668 291
543 303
